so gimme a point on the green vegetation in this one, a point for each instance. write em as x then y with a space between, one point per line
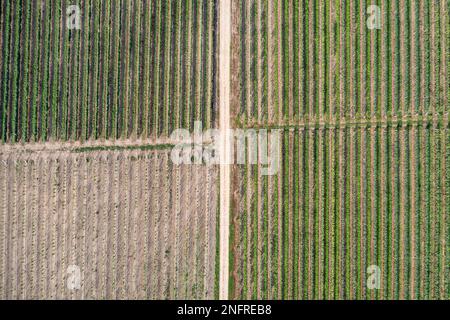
105 80
362 181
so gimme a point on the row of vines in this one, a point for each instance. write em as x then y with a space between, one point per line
364 168
134 69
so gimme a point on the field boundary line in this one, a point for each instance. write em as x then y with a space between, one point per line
91 145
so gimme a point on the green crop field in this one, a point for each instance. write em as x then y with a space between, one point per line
135 69
364 174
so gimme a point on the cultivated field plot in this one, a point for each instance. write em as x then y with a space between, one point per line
87 183
345 199
134 224
364 175
300 62
133 69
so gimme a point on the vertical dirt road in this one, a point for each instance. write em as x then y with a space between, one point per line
224 124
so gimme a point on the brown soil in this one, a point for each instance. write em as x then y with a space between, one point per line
86 210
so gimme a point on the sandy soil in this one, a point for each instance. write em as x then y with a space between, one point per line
94 211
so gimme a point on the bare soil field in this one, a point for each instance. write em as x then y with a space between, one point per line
344 199
134 224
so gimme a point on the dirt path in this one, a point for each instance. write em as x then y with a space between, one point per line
224 123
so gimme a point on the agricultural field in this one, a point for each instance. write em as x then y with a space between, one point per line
86 176
137 226
93 207
344 200
134 69
364 174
